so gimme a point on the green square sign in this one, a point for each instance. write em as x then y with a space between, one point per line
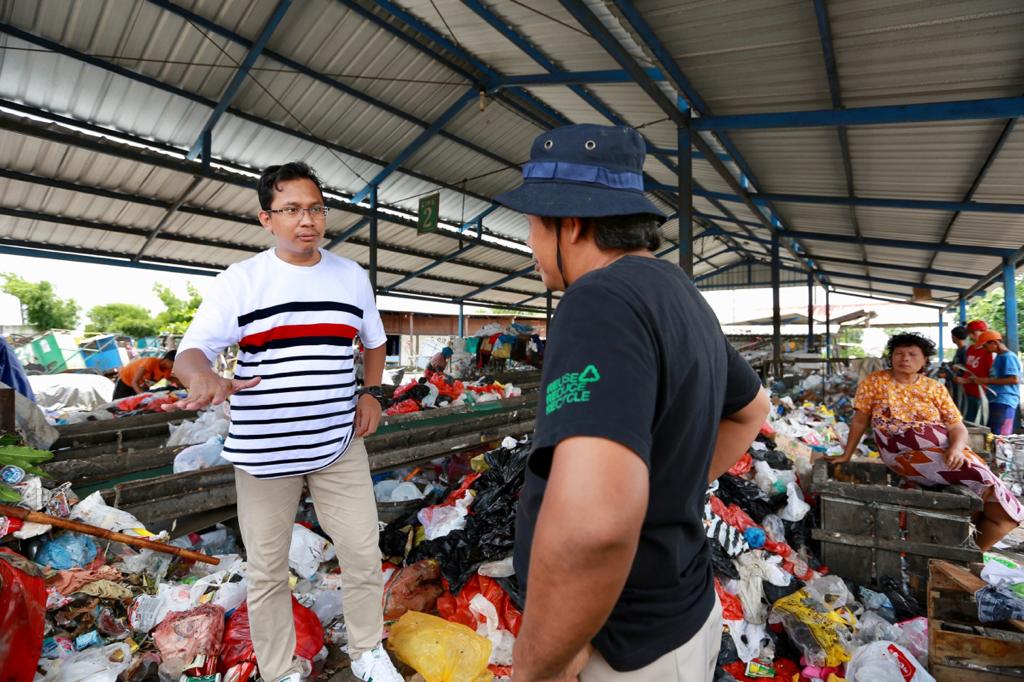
429 207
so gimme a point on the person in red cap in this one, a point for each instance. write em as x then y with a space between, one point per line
1003 382
979 362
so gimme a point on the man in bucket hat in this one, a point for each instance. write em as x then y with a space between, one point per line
643 403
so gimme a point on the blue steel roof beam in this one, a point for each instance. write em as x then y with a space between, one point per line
152 82
908 268
559 77
969 250
696 103
982 172
243 71
417 144
962 110
428 31
910 204
528 48
322 78
721 271
901 297
835 94
427 268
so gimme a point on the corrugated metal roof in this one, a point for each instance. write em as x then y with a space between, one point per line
744 56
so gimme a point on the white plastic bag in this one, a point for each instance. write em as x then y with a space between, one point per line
405 492
308 550
94 511
440 521
796 509
229 594
885 661
148 611
327 606
502 641
201 456
211 422
1000 571
748 638
96 664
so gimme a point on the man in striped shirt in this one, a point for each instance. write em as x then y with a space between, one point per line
296 416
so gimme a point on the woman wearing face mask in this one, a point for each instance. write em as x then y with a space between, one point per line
921 436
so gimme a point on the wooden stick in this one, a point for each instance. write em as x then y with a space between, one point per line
79 527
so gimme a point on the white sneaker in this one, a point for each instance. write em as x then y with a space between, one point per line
375 666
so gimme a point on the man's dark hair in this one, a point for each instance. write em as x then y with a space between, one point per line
170 355
620 232
275 175
909 339
959 333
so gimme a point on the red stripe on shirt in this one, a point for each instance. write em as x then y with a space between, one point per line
298 331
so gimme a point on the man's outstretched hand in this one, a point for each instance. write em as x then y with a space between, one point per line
210 389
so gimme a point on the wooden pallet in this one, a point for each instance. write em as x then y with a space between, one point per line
868 525
960 649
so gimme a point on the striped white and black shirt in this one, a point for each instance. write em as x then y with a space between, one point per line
294 327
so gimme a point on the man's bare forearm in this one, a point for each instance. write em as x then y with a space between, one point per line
373 365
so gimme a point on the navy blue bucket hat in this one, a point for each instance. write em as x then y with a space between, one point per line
583 171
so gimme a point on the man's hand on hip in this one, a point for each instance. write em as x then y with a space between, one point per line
368 413
210 389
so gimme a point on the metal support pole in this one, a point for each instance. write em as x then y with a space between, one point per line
776 311
462 321
810 312
963 311
828 334
942 332
207 147
373 240
1010 296
549 313
685 206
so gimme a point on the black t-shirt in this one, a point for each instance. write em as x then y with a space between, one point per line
635 355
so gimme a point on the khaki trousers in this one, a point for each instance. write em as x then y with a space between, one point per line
692 662
345 506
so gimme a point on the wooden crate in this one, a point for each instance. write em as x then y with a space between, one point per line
960 649
868 524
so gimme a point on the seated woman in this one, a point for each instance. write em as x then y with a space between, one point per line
921 436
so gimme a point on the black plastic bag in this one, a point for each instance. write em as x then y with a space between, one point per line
773 593
515 592
489 534
798 533
727 653
748 497
720 561
903 603
722 676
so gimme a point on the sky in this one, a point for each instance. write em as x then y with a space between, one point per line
92 284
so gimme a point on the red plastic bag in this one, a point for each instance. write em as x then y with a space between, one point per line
453 390
455 607
733 515
732 607
22 617
767 430
237 646
402 390
742 465
404 407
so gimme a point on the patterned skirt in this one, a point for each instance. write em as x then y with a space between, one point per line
917 454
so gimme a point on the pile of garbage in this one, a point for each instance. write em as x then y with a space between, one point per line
837 390
784 613
442 390
141 403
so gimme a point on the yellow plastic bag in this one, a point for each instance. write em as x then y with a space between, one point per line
439 650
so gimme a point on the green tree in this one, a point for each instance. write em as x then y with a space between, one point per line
122 318
44 309
179 312
992 308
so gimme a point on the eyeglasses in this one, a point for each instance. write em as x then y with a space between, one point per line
294 212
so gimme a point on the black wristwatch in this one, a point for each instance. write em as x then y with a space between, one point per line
373 391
